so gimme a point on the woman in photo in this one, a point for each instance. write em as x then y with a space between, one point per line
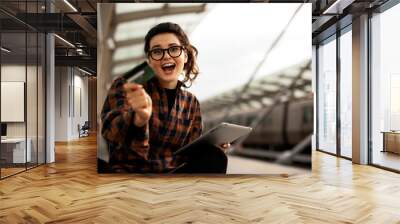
145 124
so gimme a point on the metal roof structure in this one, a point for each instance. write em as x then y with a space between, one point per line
131 22
288 84
73 23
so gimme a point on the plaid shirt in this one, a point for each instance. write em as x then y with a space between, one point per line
149 148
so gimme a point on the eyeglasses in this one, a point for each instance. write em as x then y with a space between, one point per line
158 53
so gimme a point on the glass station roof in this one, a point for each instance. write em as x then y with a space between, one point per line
133 21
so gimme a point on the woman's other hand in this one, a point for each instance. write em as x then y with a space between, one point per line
140 102
225 147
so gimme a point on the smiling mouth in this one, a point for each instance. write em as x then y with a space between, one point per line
168 67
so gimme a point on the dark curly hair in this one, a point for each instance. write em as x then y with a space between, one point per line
190 67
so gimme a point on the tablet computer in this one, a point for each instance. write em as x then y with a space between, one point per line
218 135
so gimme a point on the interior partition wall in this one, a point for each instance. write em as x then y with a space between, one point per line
22 78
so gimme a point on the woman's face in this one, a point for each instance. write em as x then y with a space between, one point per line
168 68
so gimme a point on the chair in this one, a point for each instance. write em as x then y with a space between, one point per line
84 130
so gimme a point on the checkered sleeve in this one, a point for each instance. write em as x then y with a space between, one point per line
197 126
117 123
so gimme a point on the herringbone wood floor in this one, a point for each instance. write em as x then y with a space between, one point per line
70 191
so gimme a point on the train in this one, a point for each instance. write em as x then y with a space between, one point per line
285 126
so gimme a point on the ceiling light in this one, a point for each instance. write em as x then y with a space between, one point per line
64 40
5 49
338 6
70 5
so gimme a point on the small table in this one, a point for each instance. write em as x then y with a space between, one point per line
16 147
391 141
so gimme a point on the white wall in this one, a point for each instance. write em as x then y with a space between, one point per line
61 103
81 84
71 93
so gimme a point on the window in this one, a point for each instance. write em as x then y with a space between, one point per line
346 93
385 89
327 96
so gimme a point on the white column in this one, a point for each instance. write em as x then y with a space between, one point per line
360 90
50 99
62 103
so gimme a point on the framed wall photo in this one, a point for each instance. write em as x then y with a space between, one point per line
12 101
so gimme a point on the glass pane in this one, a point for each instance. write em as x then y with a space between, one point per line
41 99
327 97
13 85
23 87
32 85
31 98
386 89
346 94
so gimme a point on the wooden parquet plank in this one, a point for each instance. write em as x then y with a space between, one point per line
71 191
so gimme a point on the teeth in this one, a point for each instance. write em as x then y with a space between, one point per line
168 64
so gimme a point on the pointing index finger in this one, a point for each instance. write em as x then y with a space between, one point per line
132 86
